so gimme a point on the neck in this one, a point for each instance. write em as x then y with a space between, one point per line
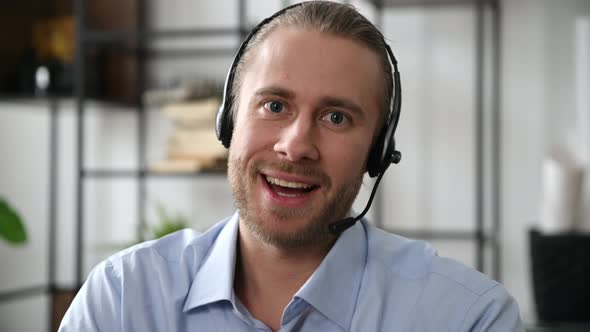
267 277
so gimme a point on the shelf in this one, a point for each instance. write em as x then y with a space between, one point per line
119 36
161 52
423 3
23 292
135 41
22 96
456 235
190 52
106 173
8 103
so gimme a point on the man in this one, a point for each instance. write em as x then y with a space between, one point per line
306 103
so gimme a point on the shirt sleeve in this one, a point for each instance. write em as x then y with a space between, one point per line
97 306
495 310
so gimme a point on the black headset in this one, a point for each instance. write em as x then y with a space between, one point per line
383 152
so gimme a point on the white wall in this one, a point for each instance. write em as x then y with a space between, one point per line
24 182
524 137
537 112
432 187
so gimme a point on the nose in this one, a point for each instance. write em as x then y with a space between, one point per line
298 141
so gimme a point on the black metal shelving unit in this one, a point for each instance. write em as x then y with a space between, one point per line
140 40
481 237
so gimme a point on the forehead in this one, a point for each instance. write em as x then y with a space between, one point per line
315 64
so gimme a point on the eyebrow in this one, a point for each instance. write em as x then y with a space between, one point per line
275 91
342 103
324 102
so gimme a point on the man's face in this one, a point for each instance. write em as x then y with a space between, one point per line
308 109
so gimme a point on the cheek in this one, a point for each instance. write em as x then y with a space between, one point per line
346 158
238 147
247 139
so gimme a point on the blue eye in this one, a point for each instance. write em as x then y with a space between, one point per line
274 106
336 117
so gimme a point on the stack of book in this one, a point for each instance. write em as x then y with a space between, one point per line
192 145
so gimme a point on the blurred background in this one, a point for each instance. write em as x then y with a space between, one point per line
107 139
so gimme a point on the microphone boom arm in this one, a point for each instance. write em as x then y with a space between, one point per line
340 226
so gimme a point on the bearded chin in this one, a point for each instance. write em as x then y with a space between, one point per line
267 224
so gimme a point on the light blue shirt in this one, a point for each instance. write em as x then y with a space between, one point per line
369 281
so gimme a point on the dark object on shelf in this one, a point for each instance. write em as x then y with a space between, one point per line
559 327
561 275
26 68
115 67
60 302
115 75
59 77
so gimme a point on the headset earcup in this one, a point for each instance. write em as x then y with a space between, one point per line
219 124
383 152
374 161
223 125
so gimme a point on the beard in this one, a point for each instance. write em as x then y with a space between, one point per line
267 224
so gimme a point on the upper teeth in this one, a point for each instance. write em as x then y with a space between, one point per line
287 184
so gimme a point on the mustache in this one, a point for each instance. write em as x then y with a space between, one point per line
310 171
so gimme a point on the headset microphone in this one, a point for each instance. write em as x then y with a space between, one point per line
340 226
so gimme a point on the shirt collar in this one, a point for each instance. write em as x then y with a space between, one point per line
332 289
334 286
215 278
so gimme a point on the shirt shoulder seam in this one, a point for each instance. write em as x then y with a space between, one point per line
490 285
122 257
479 297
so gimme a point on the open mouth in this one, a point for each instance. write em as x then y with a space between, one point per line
288 189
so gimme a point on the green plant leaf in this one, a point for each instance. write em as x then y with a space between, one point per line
167 228
11 225
167 223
